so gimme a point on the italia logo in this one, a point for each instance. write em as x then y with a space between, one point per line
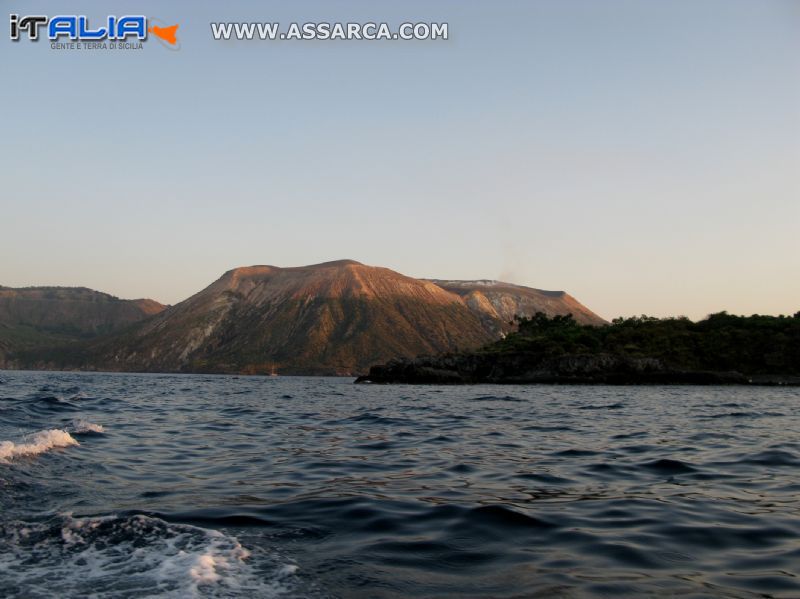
77 28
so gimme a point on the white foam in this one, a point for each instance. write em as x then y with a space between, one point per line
36 443
135 556
81 427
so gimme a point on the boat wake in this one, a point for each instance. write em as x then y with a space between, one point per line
132 556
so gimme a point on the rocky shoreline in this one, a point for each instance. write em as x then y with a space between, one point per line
577 369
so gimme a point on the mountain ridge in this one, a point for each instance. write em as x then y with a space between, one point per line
337 317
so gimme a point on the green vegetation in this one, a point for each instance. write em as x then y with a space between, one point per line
722 342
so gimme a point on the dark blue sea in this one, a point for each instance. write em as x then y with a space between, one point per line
118 485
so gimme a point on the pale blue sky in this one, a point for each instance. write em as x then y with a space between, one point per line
642 155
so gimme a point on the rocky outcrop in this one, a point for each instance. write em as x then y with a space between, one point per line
520 368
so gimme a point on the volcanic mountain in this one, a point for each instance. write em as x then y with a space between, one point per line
332 318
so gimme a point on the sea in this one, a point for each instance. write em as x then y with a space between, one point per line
137 485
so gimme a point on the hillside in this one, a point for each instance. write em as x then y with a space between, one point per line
42 317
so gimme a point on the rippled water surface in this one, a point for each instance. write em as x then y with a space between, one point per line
137 485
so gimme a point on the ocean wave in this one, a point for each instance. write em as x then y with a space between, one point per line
771 457
45 404
613 406
84 427
370 418
60 389
496 398
131 556
36 443
669 466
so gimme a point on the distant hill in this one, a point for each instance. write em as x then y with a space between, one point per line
332 318
43 317
500 302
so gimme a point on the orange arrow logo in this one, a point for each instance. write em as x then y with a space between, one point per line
165 33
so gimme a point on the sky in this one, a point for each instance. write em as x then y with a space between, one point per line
642 155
